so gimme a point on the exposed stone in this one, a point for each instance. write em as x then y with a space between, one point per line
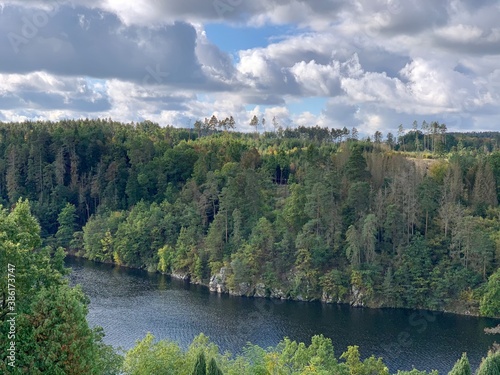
181 276
357 297
325 297
278 293
260 290
218 282
244 289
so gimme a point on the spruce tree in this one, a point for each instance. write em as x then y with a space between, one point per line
213 369
200 367
67 225
462 367
490 365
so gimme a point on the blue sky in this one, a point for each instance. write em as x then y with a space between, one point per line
233 38
364 64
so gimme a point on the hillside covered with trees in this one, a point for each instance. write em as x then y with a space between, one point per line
51 334
308 213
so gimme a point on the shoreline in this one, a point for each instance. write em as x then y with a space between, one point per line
187 279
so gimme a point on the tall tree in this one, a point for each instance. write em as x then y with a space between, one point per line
213 369
490 303
425 130
200 367
401 136
353 248
461 367
255 122
415 132
369 237
67 225
484 193
390 140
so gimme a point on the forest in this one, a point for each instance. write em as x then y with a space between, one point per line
52 336
307 214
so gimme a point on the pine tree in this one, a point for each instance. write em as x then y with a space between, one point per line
369 237
484 192
490 304
462 367
353 250
200 367
213 369
490 365
255 122
67 224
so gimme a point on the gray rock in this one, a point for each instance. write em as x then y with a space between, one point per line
260 290
245 289
357 297
325 297
278 293
218 282
180 276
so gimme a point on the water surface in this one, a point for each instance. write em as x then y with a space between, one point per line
129 303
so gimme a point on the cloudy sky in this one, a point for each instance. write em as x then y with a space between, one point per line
370 64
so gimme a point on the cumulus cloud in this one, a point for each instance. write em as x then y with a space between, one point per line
380 63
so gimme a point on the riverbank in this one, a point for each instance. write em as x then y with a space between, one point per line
128 302
219 283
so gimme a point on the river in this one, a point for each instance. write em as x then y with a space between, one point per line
129 303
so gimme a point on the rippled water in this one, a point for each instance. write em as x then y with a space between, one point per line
129 303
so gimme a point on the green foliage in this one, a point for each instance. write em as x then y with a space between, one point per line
287 358
412 275
490 303
52 333
417 372
56 337
490 365
67 225
462 367
200 367
213 369
148 357
369 366
283 209
356 165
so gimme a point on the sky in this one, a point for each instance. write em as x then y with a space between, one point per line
369 64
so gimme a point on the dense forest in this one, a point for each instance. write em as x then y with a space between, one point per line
309 213
51 334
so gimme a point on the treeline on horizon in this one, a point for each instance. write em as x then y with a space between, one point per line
409 221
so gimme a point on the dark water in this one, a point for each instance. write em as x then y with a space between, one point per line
129 303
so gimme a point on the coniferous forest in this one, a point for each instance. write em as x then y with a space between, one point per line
307 214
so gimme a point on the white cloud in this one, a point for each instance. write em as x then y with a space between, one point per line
460 33
381 63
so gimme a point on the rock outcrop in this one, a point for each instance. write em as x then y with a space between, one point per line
218 282
260 290
357 297
181 276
